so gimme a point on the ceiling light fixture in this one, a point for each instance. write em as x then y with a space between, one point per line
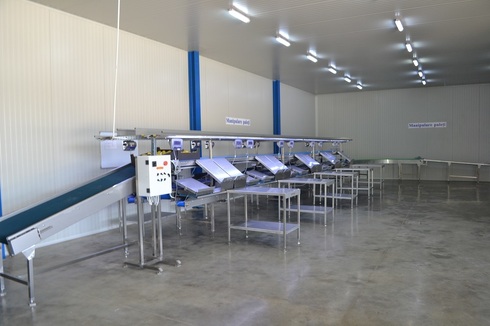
421 73
415 62
359 85
283 40
332 69
347 79
238 14
399 24
310 56
424 82
409 47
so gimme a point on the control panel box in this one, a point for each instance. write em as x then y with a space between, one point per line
153 175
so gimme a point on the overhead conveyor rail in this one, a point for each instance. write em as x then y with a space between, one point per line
142 133
21 231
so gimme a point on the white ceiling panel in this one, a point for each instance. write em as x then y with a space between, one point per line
450 37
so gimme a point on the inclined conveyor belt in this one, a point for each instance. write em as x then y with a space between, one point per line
22 220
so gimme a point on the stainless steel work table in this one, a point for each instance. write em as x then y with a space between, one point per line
323 184
281 227
380 167
368 172
352 191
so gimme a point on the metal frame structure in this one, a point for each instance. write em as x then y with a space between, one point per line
323 185
285 196
419 162
362 171
343 188
207 195
140 133
25 238
475 177
46 222
379 180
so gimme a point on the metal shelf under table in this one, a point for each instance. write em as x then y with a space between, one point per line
281 227
342 191
324 194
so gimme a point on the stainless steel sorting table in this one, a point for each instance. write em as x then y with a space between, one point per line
281 227
324 184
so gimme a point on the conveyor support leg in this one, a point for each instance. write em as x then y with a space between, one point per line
2 280
29 254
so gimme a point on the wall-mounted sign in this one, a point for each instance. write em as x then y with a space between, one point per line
416 125
238 121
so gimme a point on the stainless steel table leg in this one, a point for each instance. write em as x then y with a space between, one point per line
324 204
178 219
299 219
160 232
284 200
212 218
154 229
141 230
246 216
29 254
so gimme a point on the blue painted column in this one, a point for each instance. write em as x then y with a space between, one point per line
194 91
276 111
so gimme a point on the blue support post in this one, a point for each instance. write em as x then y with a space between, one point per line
194 91
276 111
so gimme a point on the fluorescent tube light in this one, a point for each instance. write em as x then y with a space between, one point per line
415 62
281 39
359 86
421 73
332 69
399 24
347 79
409 47
311 57
238 14
424 82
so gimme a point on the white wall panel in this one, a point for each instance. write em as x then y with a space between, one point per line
77 85
465 106
484 124
335 122
230 92
152 83
26 133
56 94
438 104
297 114
378 123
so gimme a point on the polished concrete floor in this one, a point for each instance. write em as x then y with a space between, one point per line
417 254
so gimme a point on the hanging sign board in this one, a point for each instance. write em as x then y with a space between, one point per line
238 121
418 125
